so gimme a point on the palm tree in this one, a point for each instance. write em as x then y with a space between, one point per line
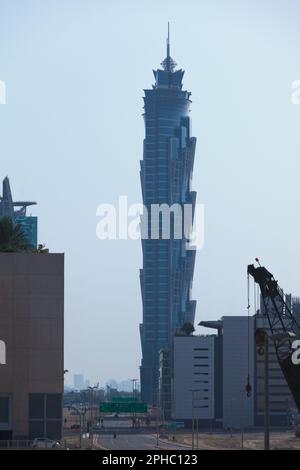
42 249
187 329
12 237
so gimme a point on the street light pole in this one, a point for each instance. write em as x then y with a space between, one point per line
193 420
242 418
231 412
62 404
133 387
267 404
133 398
81 414
80 430
193 417
197 432
91 411
157 435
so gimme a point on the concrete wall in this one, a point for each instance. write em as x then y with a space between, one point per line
238 409
32 327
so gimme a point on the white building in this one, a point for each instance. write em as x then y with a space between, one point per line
193 369
238 358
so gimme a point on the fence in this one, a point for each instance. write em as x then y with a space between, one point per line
27 444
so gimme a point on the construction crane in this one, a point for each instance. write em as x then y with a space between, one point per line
284 328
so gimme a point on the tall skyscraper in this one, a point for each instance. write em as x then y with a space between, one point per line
16 211
166 171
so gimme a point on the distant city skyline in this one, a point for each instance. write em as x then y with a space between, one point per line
71 138
80 382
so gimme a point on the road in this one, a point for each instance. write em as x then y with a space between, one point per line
136 442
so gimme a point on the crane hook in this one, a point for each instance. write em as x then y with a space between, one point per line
248 388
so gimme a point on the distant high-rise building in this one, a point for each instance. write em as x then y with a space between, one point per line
79 383
16 211
166 172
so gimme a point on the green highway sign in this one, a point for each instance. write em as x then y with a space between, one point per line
123 407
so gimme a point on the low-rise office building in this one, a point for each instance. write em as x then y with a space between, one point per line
196 372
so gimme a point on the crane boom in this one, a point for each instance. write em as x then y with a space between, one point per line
284 327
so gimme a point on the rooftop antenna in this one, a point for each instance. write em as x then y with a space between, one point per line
168 40
168 64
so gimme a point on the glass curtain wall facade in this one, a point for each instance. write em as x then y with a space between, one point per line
16 211
166 172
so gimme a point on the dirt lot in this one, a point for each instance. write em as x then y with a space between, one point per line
252 441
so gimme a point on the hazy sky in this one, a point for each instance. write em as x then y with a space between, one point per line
71 138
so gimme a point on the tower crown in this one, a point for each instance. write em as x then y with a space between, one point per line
168 77
168 64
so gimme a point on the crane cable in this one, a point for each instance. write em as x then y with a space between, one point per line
248 387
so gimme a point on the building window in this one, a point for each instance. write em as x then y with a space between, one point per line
4 411
36 406
45 415
53 408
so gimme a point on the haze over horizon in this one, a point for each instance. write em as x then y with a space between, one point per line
72 138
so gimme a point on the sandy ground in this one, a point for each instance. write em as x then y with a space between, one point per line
252 441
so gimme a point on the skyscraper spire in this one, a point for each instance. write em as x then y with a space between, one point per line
168 64
168 40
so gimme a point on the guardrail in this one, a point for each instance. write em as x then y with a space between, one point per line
125 430
24 444
16 444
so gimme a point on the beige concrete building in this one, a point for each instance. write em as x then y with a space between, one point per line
31 339
280 398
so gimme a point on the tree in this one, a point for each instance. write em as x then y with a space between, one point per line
42 249
12 237
187 329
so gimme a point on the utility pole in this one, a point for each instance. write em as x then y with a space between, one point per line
267 407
